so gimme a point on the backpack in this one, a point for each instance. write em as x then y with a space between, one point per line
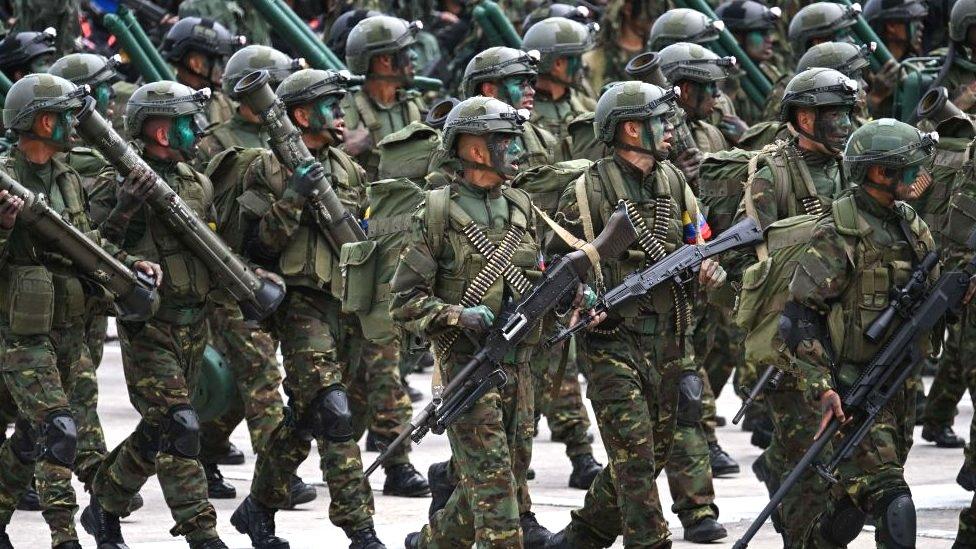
226 172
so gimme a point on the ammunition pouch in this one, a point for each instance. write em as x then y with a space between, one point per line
357 263
30 300
961 220
187 276
308 259
69 299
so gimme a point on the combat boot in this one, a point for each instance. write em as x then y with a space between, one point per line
103 526
365 539
762 432
705 531
967 477
217 487
30 501
135 504
441 487
585 469
405 481
70 544
4 538
300 492
943 437
257 521
412 541
214 543
534 535
233 456
722 462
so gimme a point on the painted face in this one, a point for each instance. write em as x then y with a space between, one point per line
656 136
833 126
63 127
103 93
574 66
701 103
41 64
506 151
759 45
327 117
519 91
184 132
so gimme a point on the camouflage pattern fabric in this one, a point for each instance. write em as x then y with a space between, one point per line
949 383
362 113
37 15
966 536
566 414
307 324
239 18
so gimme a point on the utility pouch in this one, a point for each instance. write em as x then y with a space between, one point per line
69 299
357 262
30 294
962 219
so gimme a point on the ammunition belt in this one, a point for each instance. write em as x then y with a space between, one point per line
812 205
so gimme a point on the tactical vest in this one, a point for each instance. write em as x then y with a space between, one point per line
554 116
951 166
581 142
238 133
228 173
89 164
408 152
883 261
708 138
540 146
380 123
220 109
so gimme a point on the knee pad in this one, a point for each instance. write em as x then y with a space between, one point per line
896 521
329 415
690 390
843 523
60 440
24 442
146 440
180 434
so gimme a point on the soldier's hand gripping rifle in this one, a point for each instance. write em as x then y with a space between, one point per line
557 288
881 379
258 297
675 267
337 224
136 298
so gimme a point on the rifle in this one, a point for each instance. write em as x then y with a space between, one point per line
884 375
770 378
674 267
258 297
557 288
135 294
337 224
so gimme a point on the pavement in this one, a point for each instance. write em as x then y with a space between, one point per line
930 471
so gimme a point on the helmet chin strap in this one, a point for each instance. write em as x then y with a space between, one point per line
480 166
800 131
653 151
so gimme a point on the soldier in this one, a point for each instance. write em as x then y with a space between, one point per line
802 175
820 22
698 73
623 33
61 15
639 364
281 234
42 322
900 24
249 350
237 17
683 25
198 48
863 248
379 48
561 43
509 75
160 357
960 78
23 53
753 24
442 286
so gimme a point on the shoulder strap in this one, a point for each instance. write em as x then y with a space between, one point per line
846 217
523 206
762 252
366 112
437 212
583 203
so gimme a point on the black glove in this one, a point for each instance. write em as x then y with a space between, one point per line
133 191
305 179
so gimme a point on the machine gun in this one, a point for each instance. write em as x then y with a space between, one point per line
482 373
136 298
337 224
674 267
258 297
885 375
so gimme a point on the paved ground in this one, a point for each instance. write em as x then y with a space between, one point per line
931 473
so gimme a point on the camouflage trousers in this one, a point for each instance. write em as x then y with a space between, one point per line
966 536
719 348
875 471
307 325
161 361
634 398
795 420
491 446
377 398
566 413
36 380
955 367
250 352
83 397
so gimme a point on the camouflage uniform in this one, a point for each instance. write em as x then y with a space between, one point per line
161 360
239 18
380 121
63 15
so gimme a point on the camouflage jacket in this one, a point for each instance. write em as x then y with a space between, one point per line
555 116
380 121
236 132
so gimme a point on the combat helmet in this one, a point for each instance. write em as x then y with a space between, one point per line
342 26
843 57
684 61
889 143
253 58
817 87
20 49
87 68
962 16
166 99
36 93
876 11
378 35
481 115
581 14
683 25
557 37
202 35
495 64
308 85
748 15
631 100
820 20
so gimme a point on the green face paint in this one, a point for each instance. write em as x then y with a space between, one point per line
103 94
63 127
755 39
324 115
183 135
506 151
514 88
